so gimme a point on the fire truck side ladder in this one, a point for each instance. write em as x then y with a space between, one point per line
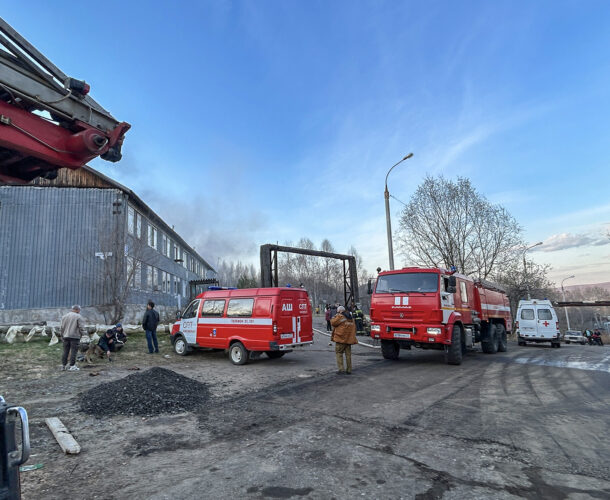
27 74
47 119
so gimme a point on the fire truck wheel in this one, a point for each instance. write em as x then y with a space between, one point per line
180 346
453 352
275 354
390 349
490 342
502 343
238 354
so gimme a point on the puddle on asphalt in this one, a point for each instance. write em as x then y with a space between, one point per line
601 366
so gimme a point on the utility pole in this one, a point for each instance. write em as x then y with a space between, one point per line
563 294
386 194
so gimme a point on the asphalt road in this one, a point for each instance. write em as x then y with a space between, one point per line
529 423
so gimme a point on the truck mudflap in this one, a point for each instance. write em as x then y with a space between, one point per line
274 346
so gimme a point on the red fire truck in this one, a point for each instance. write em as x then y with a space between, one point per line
437 309
270 320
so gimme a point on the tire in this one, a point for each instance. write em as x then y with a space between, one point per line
490 344
390 349
521 343
238 354
567 342
275 354
181 347
582 343
453 352
502 343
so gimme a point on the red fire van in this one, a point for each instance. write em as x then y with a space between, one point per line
270 320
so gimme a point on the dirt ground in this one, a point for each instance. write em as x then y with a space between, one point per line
530 423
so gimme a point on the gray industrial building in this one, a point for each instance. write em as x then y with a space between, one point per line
83 238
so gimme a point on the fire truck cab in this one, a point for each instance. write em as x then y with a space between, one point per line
245 321
437 309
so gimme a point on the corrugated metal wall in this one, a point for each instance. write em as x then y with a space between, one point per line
48 240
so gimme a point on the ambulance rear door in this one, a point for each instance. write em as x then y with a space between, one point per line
289 324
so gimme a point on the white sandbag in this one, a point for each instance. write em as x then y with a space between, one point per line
54 340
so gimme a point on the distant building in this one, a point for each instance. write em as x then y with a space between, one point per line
83 238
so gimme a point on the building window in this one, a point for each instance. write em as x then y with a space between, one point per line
163 244
185 256
152 236
168 248
149 277
138 274
130 220
138 225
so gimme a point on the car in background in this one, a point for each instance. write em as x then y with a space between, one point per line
574 337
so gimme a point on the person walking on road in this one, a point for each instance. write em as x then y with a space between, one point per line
329 328
344 336
149 323
72 329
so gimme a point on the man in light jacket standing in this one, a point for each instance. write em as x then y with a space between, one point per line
344 334
72 329
149 323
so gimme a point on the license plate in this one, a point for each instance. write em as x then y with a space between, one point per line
402 335
286 335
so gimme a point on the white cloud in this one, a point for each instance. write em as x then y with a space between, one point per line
562 241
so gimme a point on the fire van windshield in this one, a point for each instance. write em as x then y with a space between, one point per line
407 282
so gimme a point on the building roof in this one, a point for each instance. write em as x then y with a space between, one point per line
87 177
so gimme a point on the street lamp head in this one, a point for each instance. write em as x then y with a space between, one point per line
407 157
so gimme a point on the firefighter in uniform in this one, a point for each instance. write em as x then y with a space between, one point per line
359 318
344 334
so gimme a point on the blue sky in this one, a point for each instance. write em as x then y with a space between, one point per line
262 121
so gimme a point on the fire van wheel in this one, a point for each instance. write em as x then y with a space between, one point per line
490 344
502 343
238 354
390 349
275 354
453 352
180 346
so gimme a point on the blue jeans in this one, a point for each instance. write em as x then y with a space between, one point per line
151 338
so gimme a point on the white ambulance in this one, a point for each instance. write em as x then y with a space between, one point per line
536 321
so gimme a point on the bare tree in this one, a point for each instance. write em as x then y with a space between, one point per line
449 223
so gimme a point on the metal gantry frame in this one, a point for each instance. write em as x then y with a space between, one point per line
269 268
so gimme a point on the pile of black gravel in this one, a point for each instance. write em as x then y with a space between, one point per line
153 392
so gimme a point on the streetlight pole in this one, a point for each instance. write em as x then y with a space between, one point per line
563 294
386 194
527 285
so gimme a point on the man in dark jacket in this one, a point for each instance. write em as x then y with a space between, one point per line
107 344
149 323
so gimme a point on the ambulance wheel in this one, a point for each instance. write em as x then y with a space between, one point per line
490 344
453 352
180 346
567 342
275 354
238 354
390 349
502 343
